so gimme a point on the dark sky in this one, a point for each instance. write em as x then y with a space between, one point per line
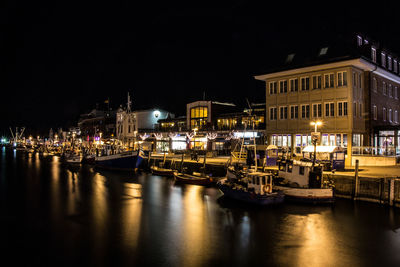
57 60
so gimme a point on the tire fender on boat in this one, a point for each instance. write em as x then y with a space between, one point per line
267 188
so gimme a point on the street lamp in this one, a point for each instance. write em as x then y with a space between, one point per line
314 138
316 123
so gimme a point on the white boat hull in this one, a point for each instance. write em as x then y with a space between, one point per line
309 195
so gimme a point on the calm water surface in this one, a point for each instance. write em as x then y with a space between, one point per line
51 214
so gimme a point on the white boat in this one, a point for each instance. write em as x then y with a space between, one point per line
302 182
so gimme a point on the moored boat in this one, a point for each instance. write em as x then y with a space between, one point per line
303 182
195 178
162 171
255 188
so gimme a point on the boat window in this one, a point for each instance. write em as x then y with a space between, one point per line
289 167
301 170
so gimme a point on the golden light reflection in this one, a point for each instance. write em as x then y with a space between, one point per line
195 227
311 241
131 215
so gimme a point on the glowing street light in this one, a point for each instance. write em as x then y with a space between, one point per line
315 137
316 124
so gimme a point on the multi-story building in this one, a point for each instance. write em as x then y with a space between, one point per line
130 125
351 87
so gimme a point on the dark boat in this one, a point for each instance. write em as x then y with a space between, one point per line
122 161
255 188
162 171
195 178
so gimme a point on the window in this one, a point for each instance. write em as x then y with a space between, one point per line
354 79
323 51
294 85
373 54
198 117
375 85
375 112
272 113
359 40
294 112
342 78
384 115
395 92
360 110
305 111
355 109
395 65
283 113
273 88
329 109
390 90
383 59
396 117
390 114
283 87
329 80
342 109
317 82
389 62
305 83
317 110
384 88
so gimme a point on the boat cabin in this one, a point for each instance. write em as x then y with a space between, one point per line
260 182
332 157
300 173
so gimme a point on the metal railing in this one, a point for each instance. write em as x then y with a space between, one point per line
375 151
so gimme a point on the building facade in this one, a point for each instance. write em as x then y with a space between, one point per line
354 95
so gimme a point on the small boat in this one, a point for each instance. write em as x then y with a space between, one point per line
255 188
303 182
89 159
162 171
195 178
73 159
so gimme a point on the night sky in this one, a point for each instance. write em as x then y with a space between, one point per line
57 60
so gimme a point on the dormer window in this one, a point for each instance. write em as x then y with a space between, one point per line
383 59
389 62
289 58
323 51
359 40
373 54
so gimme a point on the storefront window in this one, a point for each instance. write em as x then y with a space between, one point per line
198 117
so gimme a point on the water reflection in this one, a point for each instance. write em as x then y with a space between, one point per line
81 216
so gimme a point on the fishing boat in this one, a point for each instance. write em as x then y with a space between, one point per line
124 161
303 182
194 178
255 188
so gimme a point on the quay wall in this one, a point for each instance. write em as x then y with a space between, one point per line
385 191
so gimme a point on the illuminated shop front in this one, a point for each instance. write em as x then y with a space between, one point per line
303 140
198 143
179 142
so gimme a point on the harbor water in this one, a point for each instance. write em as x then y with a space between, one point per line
52 214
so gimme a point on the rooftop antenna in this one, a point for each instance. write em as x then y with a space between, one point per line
129 104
